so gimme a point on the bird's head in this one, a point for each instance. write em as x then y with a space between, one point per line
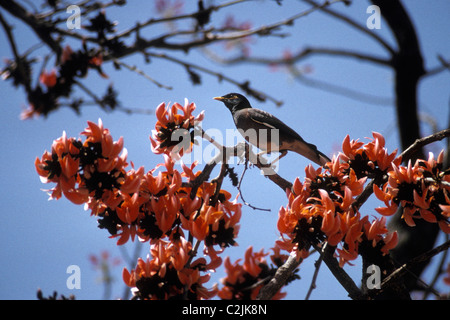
234 101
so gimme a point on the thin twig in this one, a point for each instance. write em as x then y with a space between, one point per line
42 28
439 271
131 261
193 253
308 81
209 139
339 273
399 272
17 57
419 143
245 85
142 73
240 191
153 21
218 181
317 265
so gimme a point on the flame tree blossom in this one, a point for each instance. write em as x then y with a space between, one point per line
90 171
172 211
159 206
422 190
322 207
173 131
166 275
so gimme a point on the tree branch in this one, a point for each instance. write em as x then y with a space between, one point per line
42 28
339 273
301 55
401 271
17 58
312 286
279 279
420 143
356 25
245 86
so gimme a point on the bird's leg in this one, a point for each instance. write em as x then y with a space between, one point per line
271 164
263 164
282 154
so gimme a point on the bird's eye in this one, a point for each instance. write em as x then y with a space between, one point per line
233 97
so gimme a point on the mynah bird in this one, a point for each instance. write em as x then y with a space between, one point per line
257 128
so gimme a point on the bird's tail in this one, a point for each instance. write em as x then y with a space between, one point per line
309 151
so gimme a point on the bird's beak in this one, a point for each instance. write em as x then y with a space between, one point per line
219 98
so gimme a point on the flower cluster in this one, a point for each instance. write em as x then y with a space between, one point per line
90 171
244 281
167 207
176 210
168 273
174 132
422 190
322 208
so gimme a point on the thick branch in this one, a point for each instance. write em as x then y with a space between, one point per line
339 273
401 271
279 279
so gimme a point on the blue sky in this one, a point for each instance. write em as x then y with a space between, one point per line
40 239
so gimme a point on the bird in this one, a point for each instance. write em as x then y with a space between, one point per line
252 122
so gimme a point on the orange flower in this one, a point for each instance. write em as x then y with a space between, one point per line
179 253
48 79
370 159
218 224
125 232
66 54
173 132
376 232
165 274
96 60
91 172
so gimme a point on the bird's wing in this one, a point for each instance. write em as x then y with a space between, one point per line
272 122
299 145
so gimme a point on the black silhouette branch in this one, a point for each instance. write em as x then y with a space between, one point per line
111 45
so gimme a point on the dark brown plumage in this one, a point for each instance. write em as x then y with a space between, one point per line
251 122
